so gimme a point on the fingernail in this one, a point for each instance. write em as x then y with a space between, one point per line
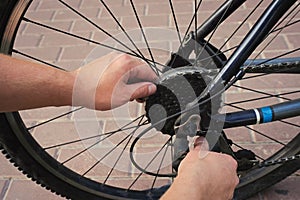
151 89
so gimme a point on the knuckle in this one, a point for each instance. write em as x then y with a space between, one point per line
237 180
125 57
230 159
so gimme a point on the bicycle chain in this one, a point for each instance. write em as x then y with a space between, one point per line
273 67
278 161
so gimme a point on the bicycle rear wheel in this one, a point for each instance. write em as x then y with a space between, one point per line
81 154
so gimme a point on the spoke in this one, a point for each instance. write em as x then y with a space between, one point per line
91 146
260 92
268 60
124 128
234 32
143 33
273 38
217 54
116 146
97 26
290 24
215 29
120 155
175 20
187 30
54 118
262 134
77 36
36 59
265 97
265 61
285 122
291 11
160 164
196 25
241 24
124 31
172 155
89 40
192 20
289 123
255 76
258 132
149 163
89 138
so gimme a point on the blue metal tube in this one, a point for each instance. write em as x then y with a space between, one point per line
260 115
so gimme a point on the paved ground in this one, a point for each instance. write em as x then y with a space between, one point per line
69 53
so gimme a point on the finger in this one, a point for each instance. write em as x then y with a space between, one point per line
141 90
201 145
137 69
142 73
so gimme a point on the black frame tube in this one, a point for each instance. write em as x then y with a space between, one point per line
217 18
257 34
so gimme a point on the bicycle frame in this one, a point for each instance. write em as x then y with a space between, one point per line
261 115
233 70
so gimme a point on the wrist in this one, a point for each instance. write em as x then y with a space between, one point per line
65 83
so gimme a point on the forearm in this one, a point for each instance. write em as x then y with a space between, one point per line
25 84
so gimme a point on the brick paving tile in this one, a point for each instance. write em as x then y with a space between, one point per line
64 14
96 3
7 170
45 113
35 29
2 188
51 134
76 52
239 135
164 7
290 81
28 41
28 190
61 40
42 16
69 64
49 54
147 21
14 185
283 131
53 5
123 11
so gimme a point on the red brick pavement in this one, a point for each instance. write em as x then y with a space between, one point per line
70 53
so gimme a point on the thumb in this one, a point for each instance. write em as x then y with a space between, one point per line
201 146
141 90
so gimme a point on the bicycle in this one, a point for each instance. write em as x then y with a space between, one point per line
54 164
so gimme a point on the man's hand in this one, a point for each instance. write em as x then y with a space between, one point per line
103 84
112 81
210 177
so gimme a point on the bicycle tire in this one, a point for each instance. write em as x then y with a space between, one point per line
26 153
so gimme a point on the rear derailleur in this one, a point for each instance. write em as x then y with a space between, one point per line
217 142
